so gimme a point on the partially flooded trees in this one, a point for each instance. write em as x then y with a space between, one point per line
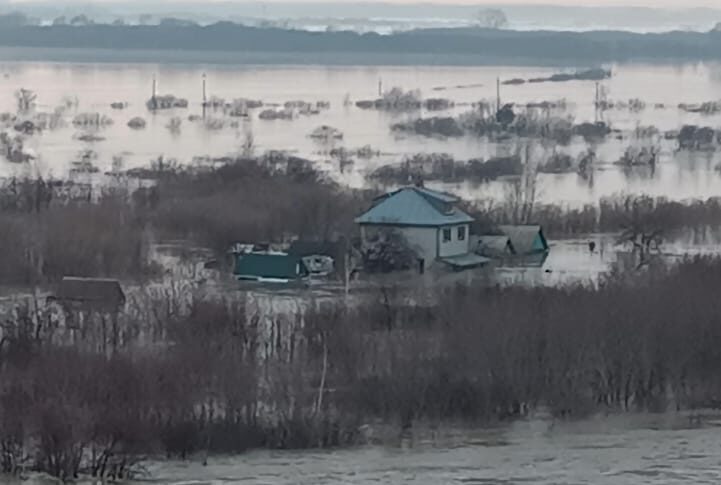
522 193
692 137
175 124
26 100
92 120
137 123
642 227
492 18
388 251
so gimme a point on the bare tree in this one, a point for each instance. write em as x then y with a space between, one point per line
247 147
641 230
25 101
521 195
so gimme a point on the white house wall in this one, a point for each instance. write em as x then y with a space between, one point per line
423 241
454 247
427 242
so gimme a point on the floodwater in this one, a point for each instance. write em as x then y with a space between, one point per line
570 261
611 450
95 86
620 450
616 450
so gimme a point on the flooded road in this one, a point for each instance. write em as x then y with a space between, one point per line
95 86
621 450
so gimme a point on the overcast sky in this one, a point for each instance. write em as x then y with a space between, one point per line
615 3
578 3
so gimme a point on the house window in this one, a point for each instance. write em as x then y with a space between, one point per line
447 235
462 233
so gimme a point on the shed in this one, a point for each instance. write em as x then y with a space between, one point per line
526 239
91 294
466 261
495 246
278 267
322 257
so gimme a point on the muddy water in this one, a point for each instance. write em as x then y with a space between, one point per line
629 450
95 86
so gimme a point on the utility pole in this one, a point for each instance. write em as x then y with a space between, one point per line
205 92
380 87
155 93
498 94
597 102
205 95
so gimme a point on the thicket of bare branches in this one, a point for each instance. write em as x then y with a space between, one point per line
613 214
253 200
54 228
224 380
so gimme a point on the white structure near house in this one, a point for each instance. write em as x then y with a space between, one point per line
431 223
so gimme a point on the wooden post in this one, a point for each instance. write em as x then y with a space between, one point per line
346 268
205 96
597 102
155 93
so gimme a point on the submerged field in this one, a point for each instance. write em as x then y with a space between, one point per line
679 175
196 366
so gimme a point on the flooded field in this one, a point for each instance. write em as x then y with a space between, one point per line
94 87
631 450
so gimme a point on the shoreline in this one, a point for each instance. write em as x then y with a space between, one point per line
65 55
225 42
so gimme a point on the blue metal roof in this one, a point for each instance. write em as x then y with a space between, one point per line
415 206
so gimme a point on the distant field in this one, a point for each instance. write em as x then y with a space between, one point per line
227 42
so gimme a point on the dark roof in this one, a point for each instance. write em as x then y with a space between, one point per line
277 266
524 238
316 248
415 206
494 245
466 261
91 293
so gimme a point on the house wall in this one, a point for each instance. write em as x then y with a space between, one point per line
427 242
454 247
423 240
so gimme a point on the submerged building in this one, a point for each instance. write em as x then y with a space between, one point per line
430 222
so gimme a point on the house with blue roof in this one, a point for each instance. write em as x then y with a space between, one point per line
431 223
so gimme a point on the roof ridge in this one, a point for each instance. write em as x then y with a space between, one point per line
415 206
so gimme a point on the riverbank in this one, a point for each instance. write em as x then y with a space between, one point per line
450 45
604 450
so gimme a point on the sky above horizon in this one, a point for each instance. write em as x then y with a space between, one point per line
577 3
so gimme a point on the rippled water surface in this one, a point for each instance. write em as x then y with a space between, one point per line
613 451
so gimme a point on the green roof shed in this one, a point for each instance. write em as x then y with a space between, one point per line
269 266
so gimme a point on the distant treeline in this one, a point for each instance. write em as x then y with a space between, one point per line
474 43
